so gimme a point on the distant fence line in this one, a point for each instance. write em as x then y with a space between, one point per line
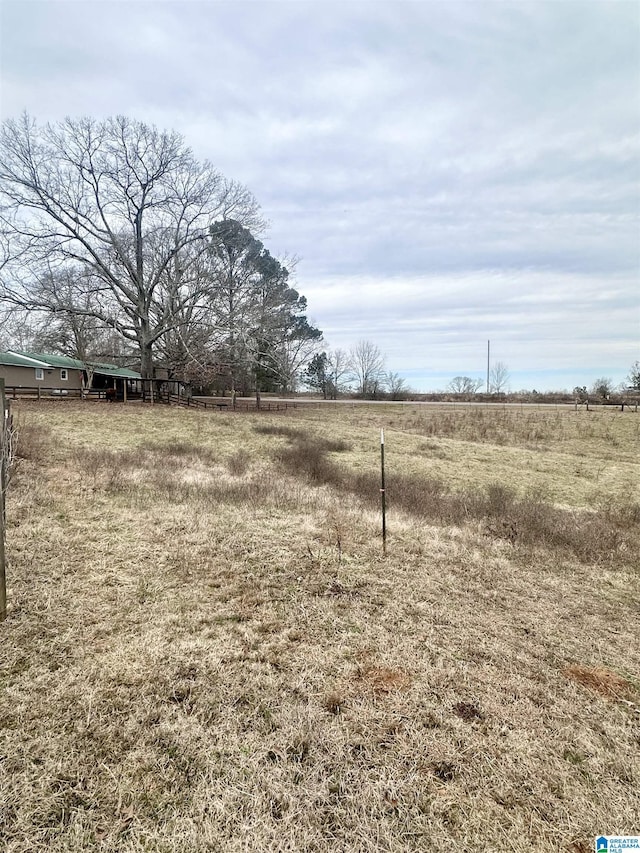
223 404
161 395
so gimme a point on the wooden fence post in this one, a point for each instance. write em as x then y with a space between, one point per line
4 449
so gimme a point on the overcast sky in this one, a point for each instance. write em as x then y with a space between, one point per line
448 173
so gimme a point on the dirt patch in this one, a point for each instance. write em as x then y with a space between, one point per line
468 711
445 771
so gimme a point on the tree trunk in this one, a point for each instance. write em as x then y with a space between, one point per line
146 369
87 384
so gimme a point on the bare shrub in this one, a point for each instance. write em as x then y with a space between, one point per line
106 469
278 429
163 481
528 520
117 482
31 440
174 452
499 500
155 474
91 461
338 445
592 537
308 458
255 492
621 514
421 496
238 463
8 442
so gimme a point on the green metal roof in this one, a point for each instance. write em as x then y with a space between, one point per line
42 359
60 360
112 370
14 359
52 359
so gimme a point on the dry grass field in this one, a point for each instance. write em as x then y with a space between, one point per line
206 649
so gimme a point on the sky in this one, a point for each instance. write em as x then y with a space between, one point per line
447 173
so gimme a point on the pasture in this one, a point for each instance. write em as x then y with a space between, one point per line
206 649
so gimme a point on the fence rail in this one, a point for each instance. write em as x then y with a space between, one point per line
25 392
223 403
28 392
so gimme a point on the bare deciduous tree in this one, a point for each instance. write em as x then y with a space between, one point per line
633 379
18 327
367 366
338 372
396 386
465 385
602 387
122 208
293 347
499 378
328 373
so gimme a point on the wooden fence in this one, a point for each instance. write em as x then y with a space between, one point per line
222 404
27 392
24 392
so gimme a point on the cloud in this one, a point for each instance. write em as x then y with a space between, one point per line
447 172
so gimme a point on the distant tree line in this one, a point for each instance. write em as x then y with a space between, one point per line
360 371
601 388
604 387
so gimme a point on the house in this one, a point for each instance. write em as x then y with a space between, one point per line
59 374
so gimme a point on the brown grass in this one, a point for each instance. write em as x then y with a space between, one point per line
206 650
601 680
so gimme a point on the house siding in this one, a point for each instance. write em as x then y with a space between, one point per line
25 377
